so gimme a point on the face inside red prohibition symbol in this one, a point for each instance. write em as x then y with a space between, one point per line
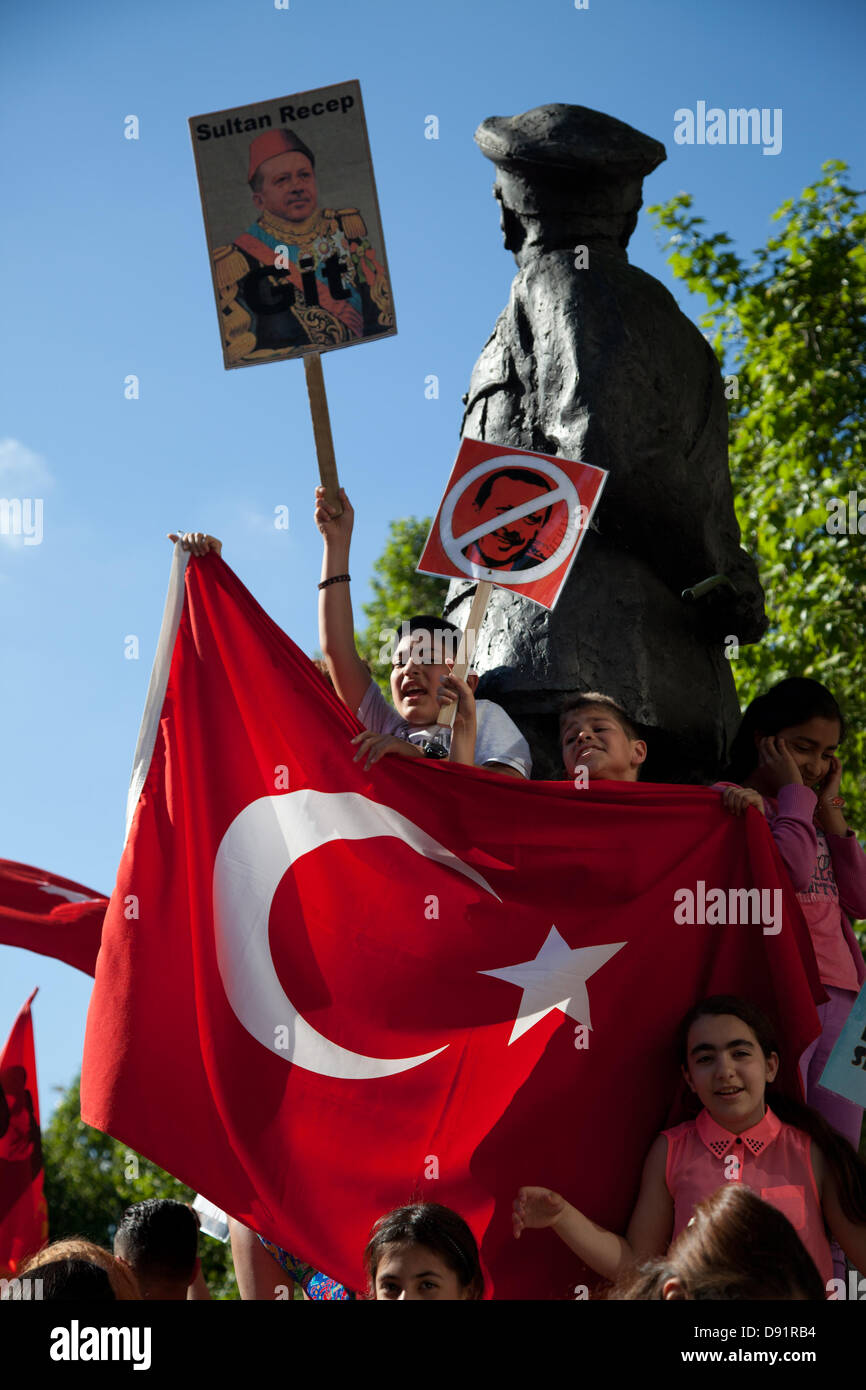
515 544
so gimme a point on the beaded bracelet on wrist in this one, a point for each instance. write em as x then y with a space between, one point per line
337 579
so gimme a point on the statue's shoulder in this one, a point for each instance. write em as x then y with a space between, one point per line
498 384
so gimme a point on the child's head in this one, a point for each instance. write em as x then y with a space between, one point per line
728 1054
423 1251
802 712
158 1240
596 734
78 1269
735 1247
418 666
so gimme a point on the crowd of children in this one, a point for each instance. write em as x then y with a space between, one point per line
799 1181
419 1252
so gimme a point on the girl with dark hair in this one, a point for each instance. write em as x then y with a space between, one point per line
784 755
789 1155
423 1251
734 1247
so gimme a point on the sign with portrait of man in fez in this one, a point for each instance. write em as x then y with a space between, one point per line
292 223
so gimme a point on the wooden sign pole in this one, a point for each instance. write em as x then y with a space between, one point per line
322 430
463 660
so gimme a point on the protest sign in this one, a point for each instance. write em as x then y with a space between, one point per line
845 1072
292 222
513 518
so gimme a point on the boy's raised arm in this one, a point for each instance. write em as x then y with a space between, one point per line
336 623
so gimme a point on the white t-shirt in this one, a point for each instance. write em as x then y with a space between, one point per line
497 737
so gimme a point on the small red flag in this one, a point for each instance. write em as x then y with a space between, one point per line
23 1213
50 915
322 992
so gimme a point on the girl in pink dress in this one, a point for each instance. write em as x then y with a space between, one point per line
784 757
787 1155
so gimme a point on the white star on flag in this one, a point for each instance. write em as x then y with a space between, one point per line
555 979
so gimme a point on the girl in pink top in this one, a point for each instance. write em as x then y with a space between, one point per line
784 755
788 1155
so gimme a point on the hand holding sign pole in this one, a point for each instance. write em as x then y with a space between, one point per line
466 648
511 518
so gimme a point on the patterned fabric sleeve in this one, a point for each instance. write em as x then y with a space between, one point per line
315 1284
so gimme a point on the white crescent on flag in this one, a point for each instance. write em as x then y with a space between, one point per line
260 845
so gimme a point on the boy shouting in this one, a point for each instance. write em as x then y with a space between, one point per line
422 679
599 740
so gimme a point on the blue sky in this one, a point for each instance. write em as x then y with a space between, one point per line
106 274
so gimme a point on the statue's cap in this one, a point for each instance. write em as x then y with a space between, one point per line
571 140
274 142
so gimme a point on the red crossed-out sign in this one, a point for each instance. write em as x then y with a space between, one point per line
513 518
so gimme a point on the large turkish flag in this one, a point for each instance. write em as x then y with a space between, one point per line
323 992
51 915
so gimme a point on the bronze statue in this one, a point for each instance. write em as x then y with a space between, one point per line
593 360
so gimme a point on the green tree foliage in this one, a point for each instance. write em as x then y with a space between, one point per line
398 592
91 1179
791 327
